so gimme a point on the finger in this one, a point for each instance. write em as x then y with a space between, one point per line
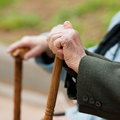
54 38
67 25
51 39
57 48
60 53
16 45
33 52
55 34
57 28
57 45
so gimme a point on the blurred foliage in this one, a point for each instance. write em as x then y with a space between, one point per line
16 20
90 6
4 3
81 17
102 10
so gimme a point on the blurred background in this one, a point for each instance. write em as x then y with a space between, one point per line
20 18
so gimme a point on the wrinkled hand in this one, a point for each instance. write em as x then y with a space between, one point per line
37 45
65 41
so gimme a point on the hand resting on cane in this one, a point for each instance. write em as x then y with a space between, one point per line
37 45
72 49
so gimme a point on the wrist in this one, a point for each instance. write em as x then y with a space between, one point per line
76 64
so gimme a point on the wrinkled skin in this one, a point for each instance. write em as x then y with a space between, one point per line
37 45
65 41
60 36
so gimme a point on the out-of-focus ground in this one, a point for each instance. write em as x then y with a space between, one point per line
35 86
32 106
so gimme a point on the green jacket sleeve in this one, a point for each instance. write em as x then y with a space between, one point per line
98 86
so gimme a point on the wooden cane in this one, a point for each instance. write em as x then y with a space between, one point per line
53 90
18 55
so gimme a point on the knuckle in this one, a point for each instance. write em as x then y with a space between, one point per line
67 40
52 38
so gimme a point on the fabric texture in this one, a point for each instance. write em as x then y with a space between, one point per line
98 78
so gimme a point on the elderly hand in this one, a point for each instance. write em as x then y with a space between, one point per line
65 41
37 45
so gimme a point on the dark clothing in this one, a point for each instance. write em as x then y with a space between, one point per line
97 86
97 89
109 40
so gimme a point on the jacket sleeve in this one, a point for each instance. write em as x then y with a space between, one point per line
70 81
98 86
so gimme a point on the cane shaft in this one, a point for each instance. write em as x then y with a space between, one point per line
53 90
17 88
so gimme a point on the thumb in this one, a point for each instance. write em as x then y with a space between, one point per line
67 25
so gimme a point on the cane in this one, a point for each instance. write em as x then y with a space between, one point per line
53 90
18 55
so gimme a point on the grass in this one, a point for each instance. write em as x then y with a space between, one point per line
60 16
4 3
102 11
16 20
81 17
88 6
